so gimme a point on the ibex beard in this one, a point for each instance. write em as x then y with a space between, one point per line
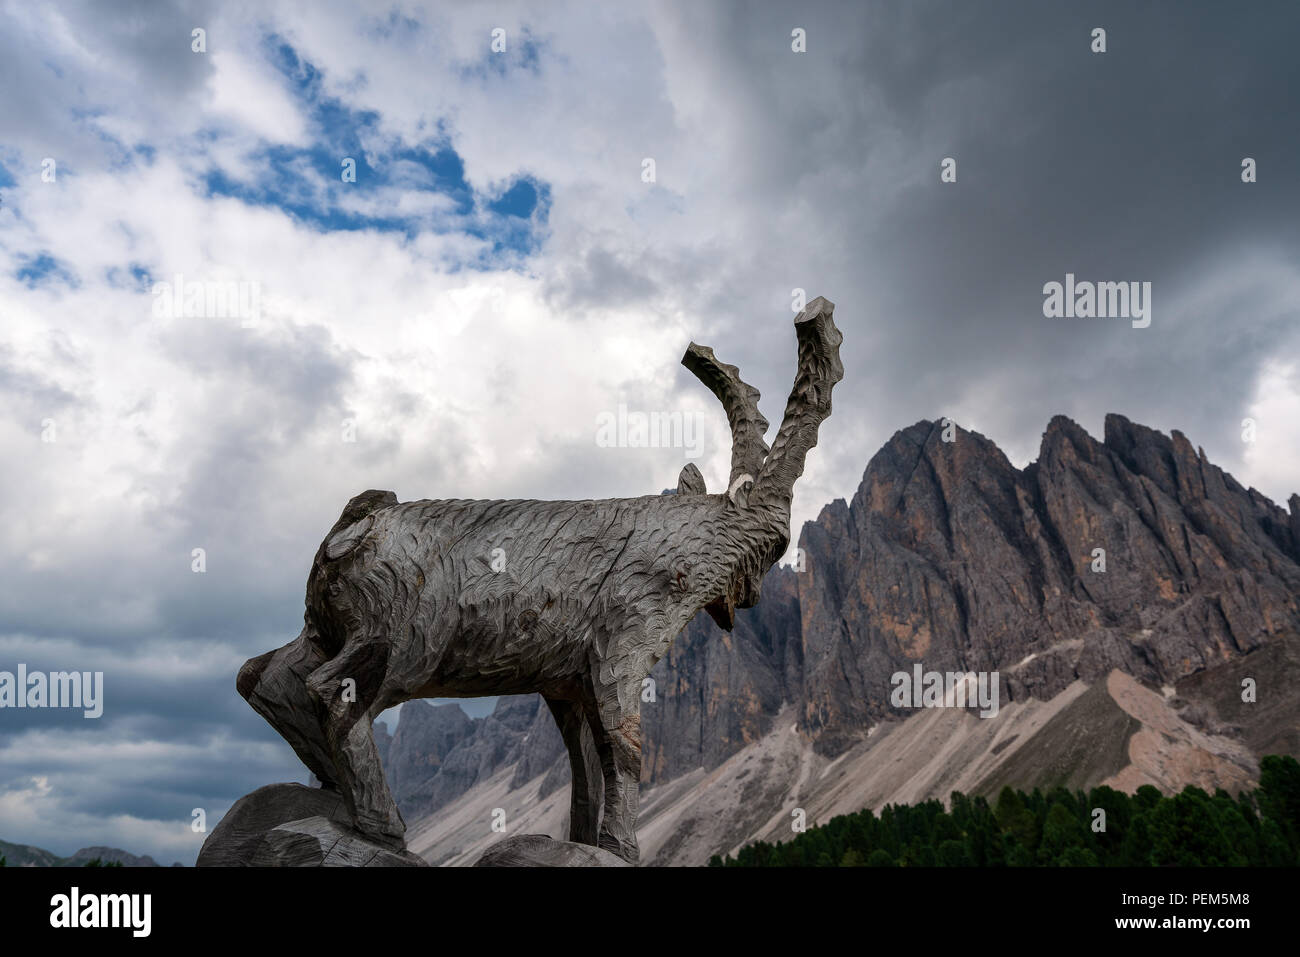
412 600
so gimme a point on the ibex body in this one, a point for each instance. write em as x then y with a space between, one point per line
574 600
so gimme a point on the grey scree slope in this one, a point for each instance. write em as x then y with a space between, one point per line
403 602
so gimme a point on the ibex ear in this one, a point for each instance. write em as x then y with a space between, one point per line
690 481
367 503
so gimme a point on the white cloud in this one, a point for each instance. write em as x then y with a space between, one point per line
1272 459
248 94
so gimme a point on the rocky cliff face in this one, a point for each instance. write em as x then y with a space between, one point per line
439 753
949 556
715 691
427 735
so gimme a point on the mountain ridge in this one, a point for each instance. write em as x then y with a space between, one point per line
26 855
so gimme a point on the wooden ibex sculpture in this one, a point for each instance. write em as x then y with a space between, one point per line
405 600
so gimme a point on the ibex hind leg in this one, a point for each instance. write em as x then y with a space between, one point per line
584 763
348 687
275 684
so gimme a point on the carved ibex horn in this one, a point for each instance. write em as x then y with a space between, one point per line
808 407
740 400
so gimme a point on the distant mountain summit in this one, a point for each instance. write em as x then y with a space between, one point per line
23 855
1128 593
950 555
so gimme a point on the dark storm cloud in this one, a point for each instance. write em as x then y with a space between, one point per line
1116 166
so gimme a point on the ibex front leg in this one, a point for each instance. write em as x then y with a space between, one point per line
616 726
584 763
275 684
348 686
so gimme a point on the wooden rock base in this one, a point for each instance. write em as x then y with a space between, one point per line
289 825
538 850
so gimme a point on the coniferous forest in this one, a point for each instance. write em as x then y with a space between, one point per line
1102 828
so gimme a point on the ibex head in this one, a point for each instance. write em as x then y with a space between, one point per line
761 484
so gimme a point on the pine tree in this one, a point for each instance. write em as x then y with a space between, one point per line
918 854
963 811
1147 797
1118 808
1185 832
890 838
1061 830
1272 845
1078 857
1279 797
945 829
953 854
1239 837
1136 848
1015 819
1016 854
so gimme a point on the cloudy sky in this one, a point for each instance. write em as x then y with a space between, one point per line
503 271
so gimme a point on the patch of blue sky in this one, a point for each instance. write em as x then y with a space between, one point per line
307 182
517 224
520 200
132 276
42 269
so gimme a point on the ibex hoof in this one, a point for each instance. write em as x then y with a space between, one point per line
383 834
628 851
